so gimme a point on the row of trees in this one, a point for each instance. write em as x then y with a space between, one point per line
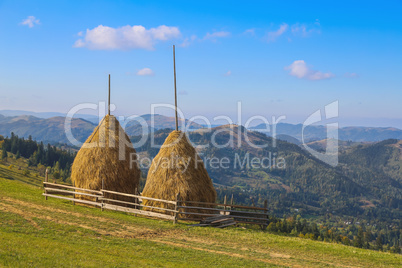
59 161
357 236
371 234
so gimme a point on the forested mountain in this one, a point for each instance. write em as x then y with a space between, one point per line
46 130
357 188
376 167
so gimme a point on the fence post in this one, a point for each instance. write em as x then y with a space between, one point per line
74 193
176 211
136 199
252 201
46 180
224 207
231 202
103 186
266 211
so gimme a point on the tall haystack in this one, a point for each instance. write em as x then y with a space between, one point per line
107 155
177 168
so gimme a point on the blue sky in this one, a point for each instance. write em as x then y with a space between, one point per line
276 57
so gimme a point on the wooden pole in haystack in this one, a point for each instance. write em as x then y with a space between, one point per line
175 90
106 155
108 106
190 184
175 99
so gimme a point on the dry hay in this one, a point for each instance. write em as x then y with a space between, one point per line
177 168
107 155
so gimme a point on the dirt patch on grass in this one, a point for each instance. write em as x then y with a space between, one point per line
8 208
237 255
278 255
113 228
40 207
233 245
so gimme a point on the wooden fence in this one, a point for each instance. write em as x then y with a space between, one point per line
183 210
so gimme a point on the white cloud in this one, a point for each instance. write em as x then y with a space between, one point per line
126 37
188 41
300 69
302 30
145 72
215 35
228 73
272 36
297 29
31 21
209 36
79 43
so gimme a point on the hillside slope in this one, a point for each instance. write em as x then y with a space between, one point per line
46 130
376 166
304 184
35 232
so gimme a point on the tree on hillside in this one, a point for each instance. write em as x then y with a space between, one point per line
378 242
4 154
359 238
57 166
41 169
56 175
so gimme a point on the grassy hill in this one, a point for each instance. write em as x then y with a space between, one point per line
39 233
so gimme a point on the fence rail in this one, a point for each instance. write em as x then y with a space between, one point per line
183 210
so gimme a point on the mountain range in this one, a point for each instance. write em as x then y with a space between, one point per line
50 128
318 132
45 115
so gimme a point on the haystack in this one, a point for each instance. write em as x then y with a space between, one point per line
107 155
177 168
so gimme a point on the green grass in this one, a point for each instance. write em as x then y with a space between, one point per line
39 233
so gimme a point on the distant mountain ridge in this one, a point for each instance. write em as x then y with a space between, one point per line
47 130
318 132
284 131
46 115
51 129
